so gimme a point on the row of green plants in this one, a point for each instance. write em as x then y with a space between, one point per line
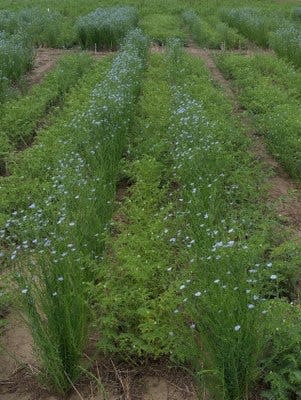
16 58
105 27
29 170
135 322
57 243
161 27
217 35
191 246
238 270
270 90
44 27
274 31
21 117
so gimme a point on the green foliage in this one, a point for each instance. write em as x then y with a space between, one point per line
201 30
65 225
161 27
227 240
230 37
281 363
286 42
216 35
5 301
296 13
16 57
105 27
270 90
250 22
133 322
21 117
42 26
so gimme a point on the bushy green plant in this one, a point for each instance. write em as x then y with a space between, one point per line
42 26
105 27
281 363
282 127
134 322
230 37
8 21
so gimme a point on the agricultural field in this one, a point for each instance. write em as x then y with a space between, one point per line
150 200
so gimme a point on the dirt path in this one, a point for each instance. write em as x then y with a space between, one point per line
284 193
17 340
44 61
46 58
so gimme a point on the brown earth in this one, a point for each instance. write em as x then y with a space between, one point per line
46 58
153 381
44 61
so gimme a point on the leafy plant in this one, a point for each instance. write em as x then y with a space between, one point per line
281 363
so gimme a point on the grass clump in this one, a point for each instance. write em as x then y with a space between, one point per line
282 360
105 27
296 13
201 30
253 23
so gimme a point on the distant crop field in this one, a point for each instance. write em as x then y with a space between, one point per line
150 204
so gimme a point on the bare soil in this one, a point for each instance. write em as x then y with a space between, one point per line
113 381
46 58
44 61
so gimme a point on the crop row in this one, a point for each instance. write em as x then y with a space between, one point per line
21 117
192 245
41 26
62 230
270 91
228 298
217 35
274 31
